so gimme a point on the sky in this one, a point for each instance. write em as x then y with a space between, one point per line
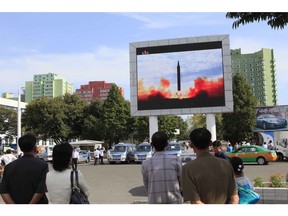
88 46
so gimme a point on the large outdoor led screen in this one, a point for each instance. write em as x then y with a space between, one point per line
179 77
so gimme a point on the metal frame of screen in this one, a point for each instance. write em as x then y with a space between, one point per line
183 105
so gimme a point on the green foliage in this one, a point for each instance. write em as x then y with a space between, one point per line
59 118
115 117
276 180
199 121
258 182
219 126
92 125
169 123
275 20
239 125
74 110
8 121
141 128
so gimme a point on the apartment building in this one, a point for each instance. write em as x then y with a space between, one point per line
50 85
259 71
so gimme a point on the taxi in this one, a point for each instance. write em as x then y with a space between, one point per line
254 153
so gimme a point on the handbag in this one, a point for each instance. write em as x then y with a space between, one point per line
77 196
247 196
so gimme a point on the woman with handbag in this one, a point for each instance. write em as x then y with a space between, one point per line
58 180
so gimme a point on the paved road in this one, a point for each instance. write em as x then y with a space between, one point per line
122 183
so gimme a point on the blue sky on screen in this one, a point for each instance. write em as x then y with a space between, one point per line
193 64
90 46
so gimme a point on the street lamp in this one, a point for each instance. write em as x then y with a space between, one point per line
19 112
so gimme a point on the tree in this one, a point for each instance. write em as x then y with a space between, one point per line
199 120
73 111
115 117
168 124
8 122
44 117
239 125
275 20
92 125
58 118
140 128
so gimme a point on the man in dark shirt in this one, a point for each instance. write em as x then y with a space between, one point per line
217 147
24 179
207 179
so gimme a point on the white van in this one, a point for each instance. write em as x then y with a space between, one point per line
122 152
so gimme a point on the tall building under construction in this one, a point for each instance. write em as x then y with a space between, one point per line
258 69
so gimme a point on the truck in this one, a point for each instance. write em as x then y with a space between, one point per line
281 150
279 139
87 146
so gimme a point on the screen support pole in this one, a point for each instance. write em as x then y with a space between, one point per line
153 126
211 125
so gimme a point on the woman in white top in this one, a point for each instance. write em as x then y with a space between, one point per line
58 180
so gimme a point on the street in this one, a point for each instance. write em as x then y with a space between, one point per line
122 183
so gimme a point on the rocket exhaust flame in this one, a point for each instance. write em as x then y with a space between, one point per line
212 88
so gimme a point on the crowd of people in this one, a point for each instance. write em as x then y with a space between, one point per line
209 179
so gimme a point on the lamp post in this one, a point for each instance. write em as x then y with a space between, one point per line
19 112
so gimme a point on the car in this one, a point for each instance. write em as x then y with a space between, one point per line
269 121
174 148
122 152
84 156
143 152
254 153
187 156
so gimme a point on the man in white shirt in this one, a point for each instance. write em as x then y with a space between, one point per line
101 156
7 158
96 156
75 157
270 145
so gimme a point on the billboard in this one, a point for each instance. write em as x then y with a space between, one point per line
271 118
181 76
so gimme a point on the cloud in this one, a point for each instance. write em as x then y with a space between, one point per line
162 20
110 65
